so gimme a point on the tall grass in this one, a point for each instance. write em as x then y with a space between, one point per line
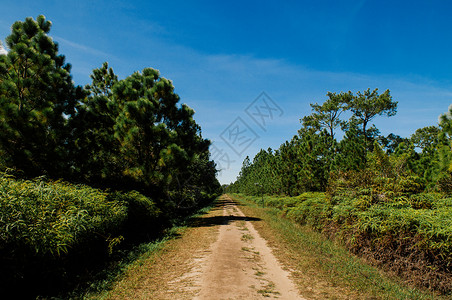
54 234
50 218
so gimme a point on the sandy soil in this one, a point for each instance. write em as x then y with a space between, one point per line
238 265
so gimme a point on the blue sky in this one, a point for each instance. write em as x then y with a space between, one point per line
221 56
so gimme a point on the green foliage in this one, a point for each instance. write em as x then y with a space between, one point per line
48 217
426 137
327 115
152 131
121 134
351 153
305 163
376 199
366 105
54 231
36 93
136 135
320 258
144 217
94 149
383 210
391 142
444 156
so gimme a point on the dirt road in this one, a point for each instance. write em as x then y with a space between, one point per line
219 256
239 264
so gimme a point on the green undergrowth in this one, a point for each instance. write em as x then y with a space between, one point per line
56 236
409 242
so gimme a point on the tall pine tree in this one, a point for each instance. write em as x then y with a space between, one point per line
36 98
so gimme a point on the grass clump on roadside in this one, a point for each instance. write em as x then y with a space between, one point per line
322 262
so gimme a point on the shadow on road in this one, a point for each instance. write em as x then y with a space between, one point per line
221 220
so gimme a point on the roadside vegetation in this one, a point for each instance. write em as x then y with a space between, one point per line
322 268
88 173
387 199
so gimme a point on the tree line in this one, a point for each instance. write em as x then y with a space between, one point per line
313 157
122 134
385 198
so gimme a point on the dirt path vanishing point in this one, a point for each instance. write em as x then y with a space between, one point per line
239 265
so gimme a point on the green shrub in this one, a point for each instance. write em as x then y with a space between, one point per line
144 217
50 217
444 184
314 212
410 184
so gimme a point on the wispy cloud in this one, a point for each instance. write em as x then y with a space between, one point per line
83 48
2 50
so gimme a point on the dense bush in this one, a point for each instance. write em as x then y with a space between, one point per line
48 217
410 235
53 233
388 220
144 218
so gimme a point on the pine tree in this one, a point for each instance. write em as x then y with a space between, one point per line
352 148
367 105
158 139
95 150
36 98
327 115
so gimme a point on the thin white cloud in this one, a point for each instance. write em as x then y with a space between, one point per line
82 47
2 50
